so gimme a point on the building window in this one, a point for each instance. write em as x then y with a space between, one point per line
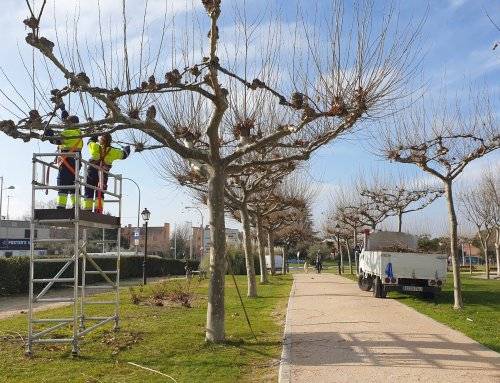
27 233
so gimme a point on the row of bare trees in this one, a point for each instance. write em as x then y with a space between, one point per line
480 205
368 203
442 141
228 125
222 116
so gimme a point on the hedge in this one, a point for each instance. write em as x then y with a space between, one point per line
14 272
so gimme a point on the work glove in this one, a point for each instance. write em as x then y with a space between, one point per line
48 132
64 115
93 138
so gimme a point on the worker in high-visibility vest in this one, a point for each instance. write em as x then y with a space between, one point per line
70 141
102 155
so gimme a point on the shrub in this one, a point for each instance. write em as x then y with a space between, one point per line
175 291
14 272
237 258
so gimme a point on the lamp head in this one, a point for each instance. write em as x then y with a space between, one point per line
146 214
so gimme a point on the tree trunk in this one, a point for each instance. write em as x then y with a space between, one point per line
249 258
484 244
284 252
341 253
486 260
215 310
262 255
356 260
348 255
400 220
270 244
497 249
457 285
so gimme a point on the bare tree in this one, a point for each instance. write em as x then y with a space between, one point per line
400 197
292 199
241 190
291 195
491 184
299 228
182 234
351 206
480 206
339 77
442 142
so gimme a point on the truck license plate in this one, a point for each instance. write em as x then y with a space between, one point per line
412 288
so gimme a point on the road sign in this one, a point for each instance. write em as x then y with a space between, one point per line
136 242
137 233
14 244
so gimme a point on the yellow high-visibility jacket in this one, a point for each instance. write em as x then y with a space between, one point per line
71 140
107 155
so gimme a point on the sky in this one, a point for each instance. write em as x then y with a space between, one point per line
456 42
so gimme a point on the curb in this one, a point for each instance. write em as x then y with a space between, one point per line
285 372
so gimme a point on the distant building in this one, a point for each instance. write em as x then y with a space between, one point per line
158 238
233 238
15 238
471 255
197 242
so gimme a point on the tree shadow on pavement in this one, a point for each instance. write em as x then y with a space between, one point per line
388 349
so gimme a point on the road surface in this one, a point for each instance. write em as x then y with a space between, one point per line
18 304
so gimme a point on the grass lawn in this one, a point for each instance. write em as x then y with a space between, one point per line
479 320
169 339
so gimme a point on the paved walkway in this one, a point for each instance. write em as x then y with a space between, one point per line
337 333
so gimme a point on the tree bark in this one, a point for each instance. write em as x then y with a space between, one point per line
249 258
262 255
284 252
270 244
215 311
356 260
484 244
497 249
348 255
341 253
457 285
400 220
486 260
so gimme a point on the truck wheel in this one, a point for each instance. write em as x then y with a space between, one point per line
365 283
378 289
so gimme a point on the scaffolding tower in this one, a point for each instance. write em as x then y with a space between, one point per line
75 265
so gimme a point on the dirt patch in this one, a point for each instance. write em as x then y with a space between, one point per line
121 341
172 294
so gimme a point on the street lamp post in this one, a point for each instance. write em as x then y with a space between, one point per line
1 194
138 209
145 216
202 229
339 249
8 205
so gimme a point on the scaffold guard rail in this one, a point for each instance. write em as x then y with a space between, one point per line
75 267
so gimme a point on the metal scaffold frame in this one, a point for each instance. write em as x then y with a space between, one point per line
78 222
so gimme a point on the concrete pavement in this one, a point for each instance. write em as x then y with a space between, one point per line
338 333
